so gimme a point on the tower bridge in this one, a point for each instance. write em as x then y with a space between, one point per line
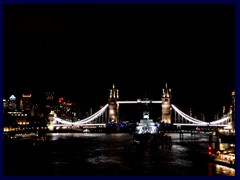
109 113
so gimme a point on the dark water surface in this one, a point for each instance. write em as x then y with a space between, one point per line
100 154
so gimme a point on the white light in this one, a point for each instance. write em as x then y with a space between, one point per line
189 118
83 121
199 122
138 101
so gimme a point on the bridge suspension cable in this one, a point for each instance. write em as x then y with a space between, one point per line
83 121
219 122
99 113
92 117
187 117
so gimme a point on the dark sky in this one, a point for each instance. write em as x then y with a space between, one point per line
79 51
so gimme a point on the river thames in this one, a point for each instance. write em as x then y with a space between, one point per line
100 154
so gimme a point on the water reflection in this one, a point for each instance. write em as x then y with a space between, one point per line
111 154
217 169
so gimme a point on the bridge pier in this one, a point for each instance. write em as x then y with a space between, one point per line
181 135
193 133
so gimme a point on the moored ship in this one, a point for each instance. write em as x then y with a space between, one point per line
146 132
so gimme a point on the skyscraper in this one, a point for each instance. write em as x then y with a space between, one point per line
25 103
12 104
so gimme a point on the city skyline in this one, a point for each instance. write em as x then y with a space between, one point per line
81 50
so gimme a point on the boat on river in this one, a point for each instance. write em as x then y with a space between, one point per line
146 133
224 157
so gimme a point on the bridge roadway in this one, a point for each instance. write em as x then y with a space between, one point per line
139 101
101 127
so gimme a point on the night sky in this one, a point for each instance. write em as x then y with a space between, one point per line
79 51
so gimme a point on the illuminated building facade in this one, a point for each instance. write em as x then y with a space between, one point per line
65 109
5 104
50 99
232 110
25 102
12 103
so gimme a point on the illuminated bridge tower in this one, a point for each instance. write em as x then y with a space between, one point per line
113 106
166 105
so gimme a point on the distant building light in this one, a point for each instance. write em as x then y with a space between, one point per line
27 95
12 97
